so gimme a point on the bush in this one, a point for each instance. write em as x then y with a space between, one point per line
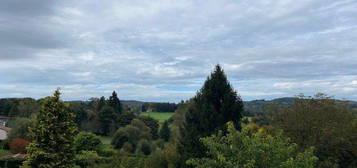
323 123
152 124
126 160
89 158
5 144
11 162
257 149
18 145
87 141
106 152
156 160
144 147
132 134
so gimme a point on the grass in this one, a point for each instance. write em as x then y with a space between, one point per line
106 140
158 115
4 152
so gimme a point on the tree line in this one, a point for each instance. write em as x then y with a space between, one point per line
208 130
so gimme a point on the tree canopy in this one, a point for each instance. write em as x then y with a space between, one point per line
52 136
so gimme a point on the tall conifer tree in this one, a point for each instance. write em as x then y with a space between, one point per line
115 103
213 106
52 134
101 103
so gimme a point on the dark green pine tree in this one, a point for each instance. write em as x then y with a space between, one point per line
115 103
101 103
106 117
53 134
213 106
165 131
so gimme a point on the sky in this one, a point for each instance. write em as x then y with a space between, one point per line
163 50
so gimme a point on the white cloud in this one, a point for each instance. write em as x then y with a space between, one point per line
152 49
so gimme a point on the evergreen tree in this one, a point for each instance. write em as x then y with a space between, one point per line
101 103
165 131
52 136
115 103
213 106
106 118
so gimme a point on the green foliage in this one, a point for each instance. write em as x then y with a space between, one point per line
52 136
11 162
131 134
214 105
101 103
4 152
87 142
124 119
20 128
152 124
115 103
250 150
165 131
106 118
24 108
126 160
323 123
144 147
156 160
89 158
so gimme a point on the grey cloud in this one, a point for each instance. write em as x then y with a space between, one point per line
165 49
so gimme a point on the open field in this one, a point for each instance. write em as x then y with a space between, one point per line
159 116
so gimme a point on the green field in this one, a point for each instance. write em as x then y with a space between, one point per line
159 116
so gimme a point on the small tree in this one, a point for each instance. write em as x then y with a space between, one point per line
131 134
165 131
87 141
152 124
323 123
252 149
52 136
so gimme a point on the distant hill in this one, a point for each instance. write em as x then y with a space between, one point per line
256 107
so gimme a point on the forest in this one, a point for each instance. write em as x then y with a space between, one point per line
213 129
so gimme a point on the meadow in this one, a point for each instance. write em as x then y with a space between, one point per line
161 117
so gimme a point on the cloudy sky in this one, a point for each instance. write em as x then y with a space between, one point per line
162 50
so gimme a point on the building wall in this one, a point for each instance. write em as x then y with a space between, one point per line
3 134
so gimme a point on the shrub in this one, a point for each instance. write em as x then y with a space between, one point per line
132 134
89 158
152 124
144 147
106 152
323 123
18 145
11 162
243 149
87 141
165 131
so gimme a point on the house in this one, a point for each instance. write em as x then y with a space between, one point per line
4 131
3 120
